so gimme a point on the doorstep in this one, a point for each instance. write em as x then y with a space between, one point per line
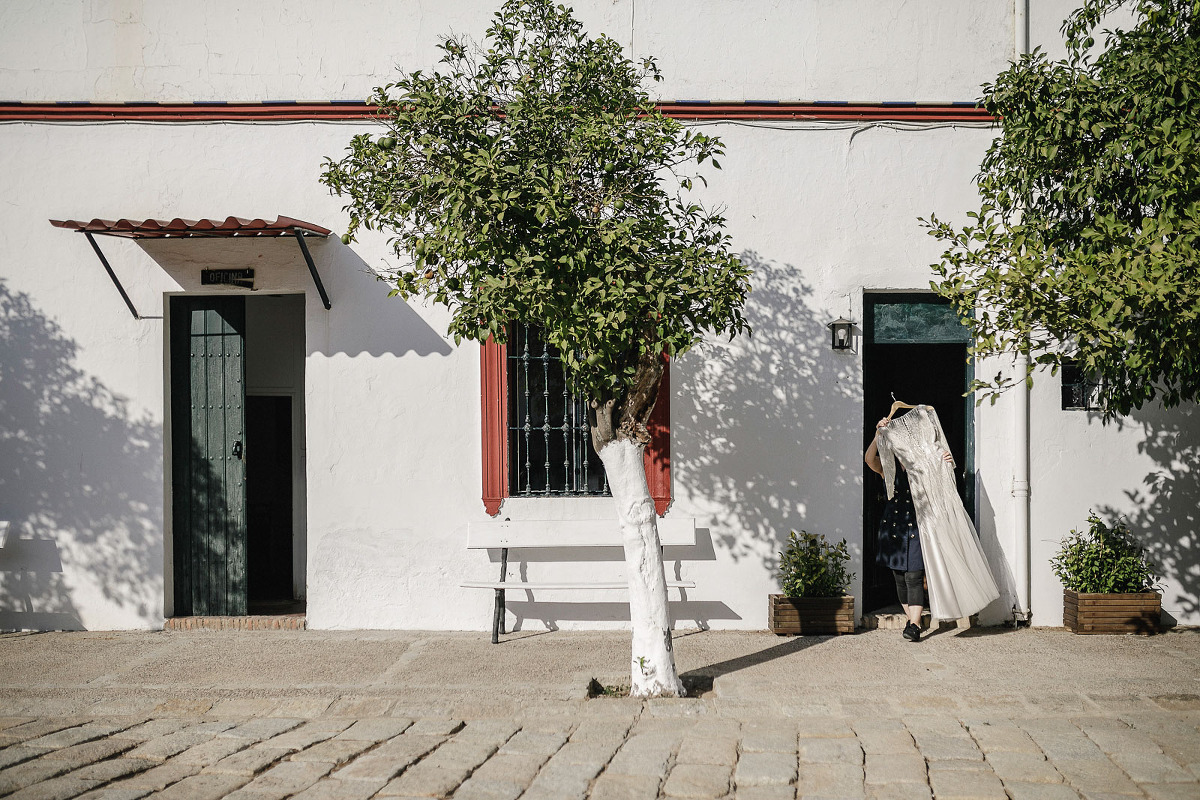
267 622
891 618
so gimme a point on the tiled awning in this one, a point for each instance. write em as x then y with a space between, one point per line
162 229
229 228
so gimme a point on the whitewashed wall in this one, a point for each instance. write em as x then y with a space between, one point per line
310 50
766 431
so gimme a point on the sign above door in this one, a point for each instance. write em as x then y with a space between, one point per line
227 277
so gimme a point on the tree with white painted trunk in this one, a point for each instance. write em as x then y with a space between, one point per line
530 179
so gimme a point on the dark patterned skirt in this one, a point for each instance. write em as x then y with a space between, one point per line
899 540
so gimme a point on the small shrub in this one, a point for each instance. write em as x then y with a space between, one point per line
1104 560
812 567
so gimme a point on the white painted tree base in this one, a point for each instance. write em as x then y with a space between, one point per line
652 666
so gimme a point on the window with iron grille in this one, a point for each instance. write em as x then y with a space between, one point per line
1080 390
550 449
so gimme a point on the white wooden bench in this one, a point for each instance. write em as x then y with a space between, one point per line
506 535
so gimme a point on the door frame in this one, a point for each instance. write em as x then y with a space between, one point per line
870 299
299 447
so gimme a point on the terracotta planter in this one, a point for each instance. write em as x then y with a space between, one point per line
822 616
1112 613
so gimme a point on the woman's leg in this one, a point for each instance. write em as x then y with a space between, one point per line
914 585
901 589
903 593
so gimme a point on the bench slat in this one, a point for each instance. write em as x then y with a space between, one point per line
492 534
553 585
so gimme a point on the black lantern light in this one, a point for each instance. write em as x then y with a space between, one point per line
843 333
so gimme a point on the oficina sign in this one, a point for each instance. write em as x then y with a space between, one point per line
227 277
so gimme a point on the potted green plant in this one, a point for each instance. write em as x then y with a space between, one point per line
1108 581
814 578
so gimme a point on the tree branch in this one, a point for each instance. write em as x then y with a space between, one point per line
601 422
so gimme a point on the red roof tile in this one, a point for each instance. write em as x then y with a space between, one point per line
179 228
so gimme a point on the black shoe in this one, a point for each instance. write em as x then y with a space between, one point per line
912 632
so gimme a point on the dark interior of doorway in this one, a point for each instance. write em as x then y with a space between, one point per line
918 373
269 515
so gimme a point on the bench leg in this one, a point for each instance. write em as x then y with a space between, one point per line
498 614
498 617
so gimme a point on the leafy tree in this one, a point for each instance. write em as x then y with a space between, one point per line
529 179
1085 244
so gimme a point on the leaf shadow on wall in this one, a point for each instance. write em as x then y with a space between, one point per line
766 428
1166 507
80 480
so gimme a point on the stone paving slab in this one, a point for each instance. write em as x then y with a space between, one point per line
711 750
60 788
765 769
330 788
248 762
701 781
830 780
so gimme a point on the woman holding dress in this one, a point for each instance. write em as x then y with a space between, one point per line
956 570
899 543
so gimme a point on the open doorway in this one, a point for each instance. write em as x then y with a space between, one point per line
915 348
237 472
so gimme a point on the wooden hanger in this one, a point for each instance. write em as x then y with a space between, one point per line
896 406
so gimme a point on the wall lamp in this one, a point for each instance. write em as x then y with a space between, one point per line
843 333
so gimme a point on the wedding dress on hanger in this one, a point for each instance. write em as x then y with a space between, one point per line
960 581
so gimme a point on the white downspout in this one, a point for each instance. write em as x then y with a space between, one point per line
1021 22
1020 492
1020 484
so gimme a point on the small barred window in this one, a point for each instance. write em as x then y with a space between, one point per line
550 449
1080 390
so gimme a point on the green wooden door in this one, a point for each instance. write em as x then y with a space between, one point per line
208 467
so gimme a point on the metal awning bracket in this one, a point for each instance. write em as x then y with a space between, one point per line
108 268
177 228
312 268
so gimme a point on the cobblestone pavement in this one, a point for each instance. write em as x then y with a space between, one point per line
126 716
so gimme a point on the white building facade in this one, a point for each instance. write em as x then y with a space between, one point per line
843 123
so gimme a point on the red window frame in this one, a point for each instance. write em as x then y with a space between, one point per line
493 370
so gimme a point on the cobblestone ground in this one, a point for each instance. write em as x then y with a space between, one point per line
608 748
127 716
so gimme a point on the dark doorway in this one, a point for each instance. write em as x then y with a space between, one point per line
915 348
269 503
236 372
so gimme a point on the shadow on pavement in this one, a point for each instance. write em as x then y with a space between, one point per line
708 674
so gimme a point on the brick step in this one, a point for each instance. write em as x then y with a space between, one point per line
892 618
266 622
889 618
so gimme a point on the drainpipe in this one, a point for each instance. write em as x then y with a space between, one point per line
1021 27
1020 485
1020 492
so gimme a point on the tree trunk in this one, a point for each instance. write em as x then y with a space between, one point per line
652 666
620 443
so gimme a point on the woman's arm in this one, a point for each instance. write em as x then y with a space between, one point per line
871 457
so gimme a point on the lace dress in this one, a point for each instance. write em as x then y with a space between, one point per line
960 582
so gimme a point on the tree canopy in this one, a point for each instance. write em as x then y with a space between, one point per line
1085 243
530 179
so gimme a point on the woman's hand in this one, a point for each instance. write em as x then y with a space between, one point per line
881 424
947 457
